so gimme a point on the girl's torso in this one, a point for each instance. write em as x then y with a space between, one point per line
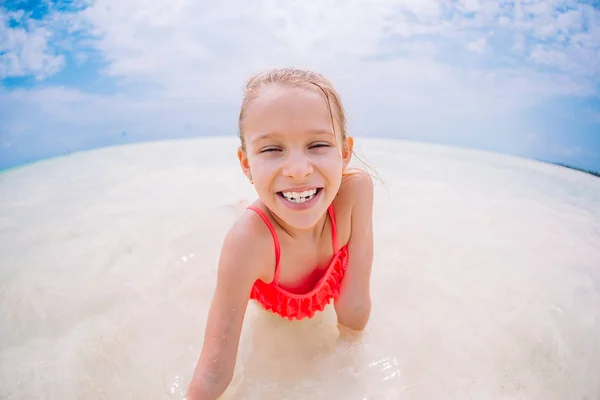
303 279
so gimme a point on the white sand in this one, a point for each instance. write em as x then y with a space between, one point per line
486 280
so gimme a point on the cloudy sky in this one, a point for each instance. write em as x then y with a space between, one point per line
519 77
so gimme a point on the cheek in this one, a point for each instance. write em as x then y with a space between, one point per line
331 164
261 168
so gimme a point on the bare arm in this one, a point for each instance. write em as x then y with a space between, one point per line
237 272
353 307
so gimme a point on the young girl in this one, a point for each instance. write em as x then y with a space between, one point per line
308 240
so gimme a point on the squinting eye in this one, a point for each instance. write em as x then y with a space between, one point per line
317 145
269 149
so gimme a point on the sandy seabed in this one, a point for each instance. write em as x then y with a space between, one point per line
486 280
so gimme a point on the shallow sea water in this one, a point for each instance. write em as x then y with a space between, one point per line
486 280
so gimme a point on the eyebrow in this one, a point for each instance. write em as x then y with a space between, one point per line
271 135
322 132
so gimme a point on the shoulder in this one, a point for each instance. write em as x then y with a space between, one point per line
357 178
358 190
353 203
247 248
357 186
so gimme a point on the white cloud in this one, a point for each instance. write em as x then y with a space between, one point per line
503 21
570 21
182 43
423 9
478 46
550 57
25 51
181 63
469 5
190 48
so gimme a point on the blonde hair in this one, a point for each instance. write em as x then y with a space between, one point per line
297 78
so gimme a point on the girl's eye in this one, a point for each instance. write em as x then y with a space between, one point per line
269 149
319 145
277 149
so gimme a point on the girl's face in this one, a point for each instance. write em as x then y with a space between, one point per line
292 154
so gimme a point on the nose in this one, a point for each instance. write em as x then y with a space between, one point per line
297 165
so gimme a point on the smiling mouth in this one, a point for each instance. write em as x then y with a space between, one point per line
299 197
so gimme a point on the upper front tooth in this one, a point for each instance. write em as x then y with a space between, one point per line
303 194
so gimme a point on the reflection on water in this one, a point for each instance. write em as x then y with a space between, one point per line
485 280
307 359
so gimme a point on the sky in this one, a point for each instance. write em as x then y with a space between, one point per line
515 77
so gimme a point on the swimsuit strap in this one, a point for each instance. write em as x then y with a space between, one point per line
275 240
334 239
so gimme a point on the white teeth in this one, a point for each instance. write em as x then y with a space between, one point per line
301 197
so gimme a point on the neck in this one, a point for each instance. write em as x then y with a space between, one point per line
313 233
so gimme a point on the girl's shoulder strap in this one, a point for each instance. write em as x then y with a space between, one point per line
334 238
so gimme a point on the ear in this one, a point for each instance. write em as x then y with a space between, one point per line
243 158
347 150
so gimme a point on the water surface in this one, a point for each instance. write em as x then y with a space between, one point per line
486 279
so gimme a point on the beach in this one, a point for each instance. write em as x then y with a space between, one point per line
486 279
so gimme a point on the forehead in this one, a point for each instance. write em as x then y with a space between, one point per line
286 111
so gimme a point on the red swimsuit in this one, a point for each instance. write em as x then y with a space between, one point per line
291 305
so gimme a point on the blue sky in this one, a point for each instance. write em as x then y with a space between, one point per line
518 77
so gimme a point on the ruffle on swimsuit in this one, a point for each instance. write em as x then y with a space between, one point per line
274 298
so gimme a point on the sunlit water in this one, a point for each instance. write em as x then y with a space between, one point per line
486 280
